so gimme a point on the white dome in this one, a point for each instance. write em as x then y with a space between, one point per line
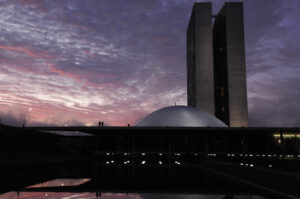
181 116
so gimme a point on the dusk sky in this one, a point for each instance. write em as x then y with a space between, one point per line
78 62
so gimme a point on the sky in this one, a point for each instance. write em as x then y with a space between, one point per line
74 62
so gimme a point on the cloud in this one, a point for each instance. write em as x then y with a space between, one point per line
118 61
81 56
272 40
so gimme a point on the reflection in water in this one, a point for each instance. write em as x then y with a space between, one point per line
61 182
69 133
179 196
88 177
44 195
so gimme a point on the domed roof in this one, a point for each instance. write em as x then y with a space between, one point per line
181 116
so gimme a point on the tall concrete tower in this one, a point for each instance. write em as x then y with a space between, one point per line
200 59
229 65
224 72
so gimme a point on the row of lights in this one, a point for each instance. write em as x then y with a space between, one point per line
252 165
246 164
143 154
262 155
228 155
212 154
143 162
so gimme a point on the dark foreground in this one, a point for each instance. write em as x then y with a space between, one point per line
229 161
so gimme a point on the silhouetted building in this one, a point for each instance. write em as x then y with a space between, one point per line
217 83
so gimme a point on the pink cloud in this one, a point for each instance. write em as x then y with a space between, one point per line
60 72
19 49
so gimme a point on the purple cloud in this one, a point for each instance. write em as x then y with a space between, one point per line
118 61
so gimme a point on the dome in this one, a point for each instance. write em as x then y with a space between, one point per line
181 116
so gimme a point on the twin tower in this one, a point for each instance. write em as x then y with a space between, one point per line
216 71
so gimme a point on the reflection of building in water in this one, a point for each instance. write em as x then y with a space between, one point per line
216 63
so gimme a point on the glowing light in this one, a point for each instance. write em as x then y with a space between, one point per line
160 162
176 162
143 162
286 136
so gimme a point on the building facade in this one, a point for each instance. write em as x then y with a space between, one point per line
223 73
200 59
